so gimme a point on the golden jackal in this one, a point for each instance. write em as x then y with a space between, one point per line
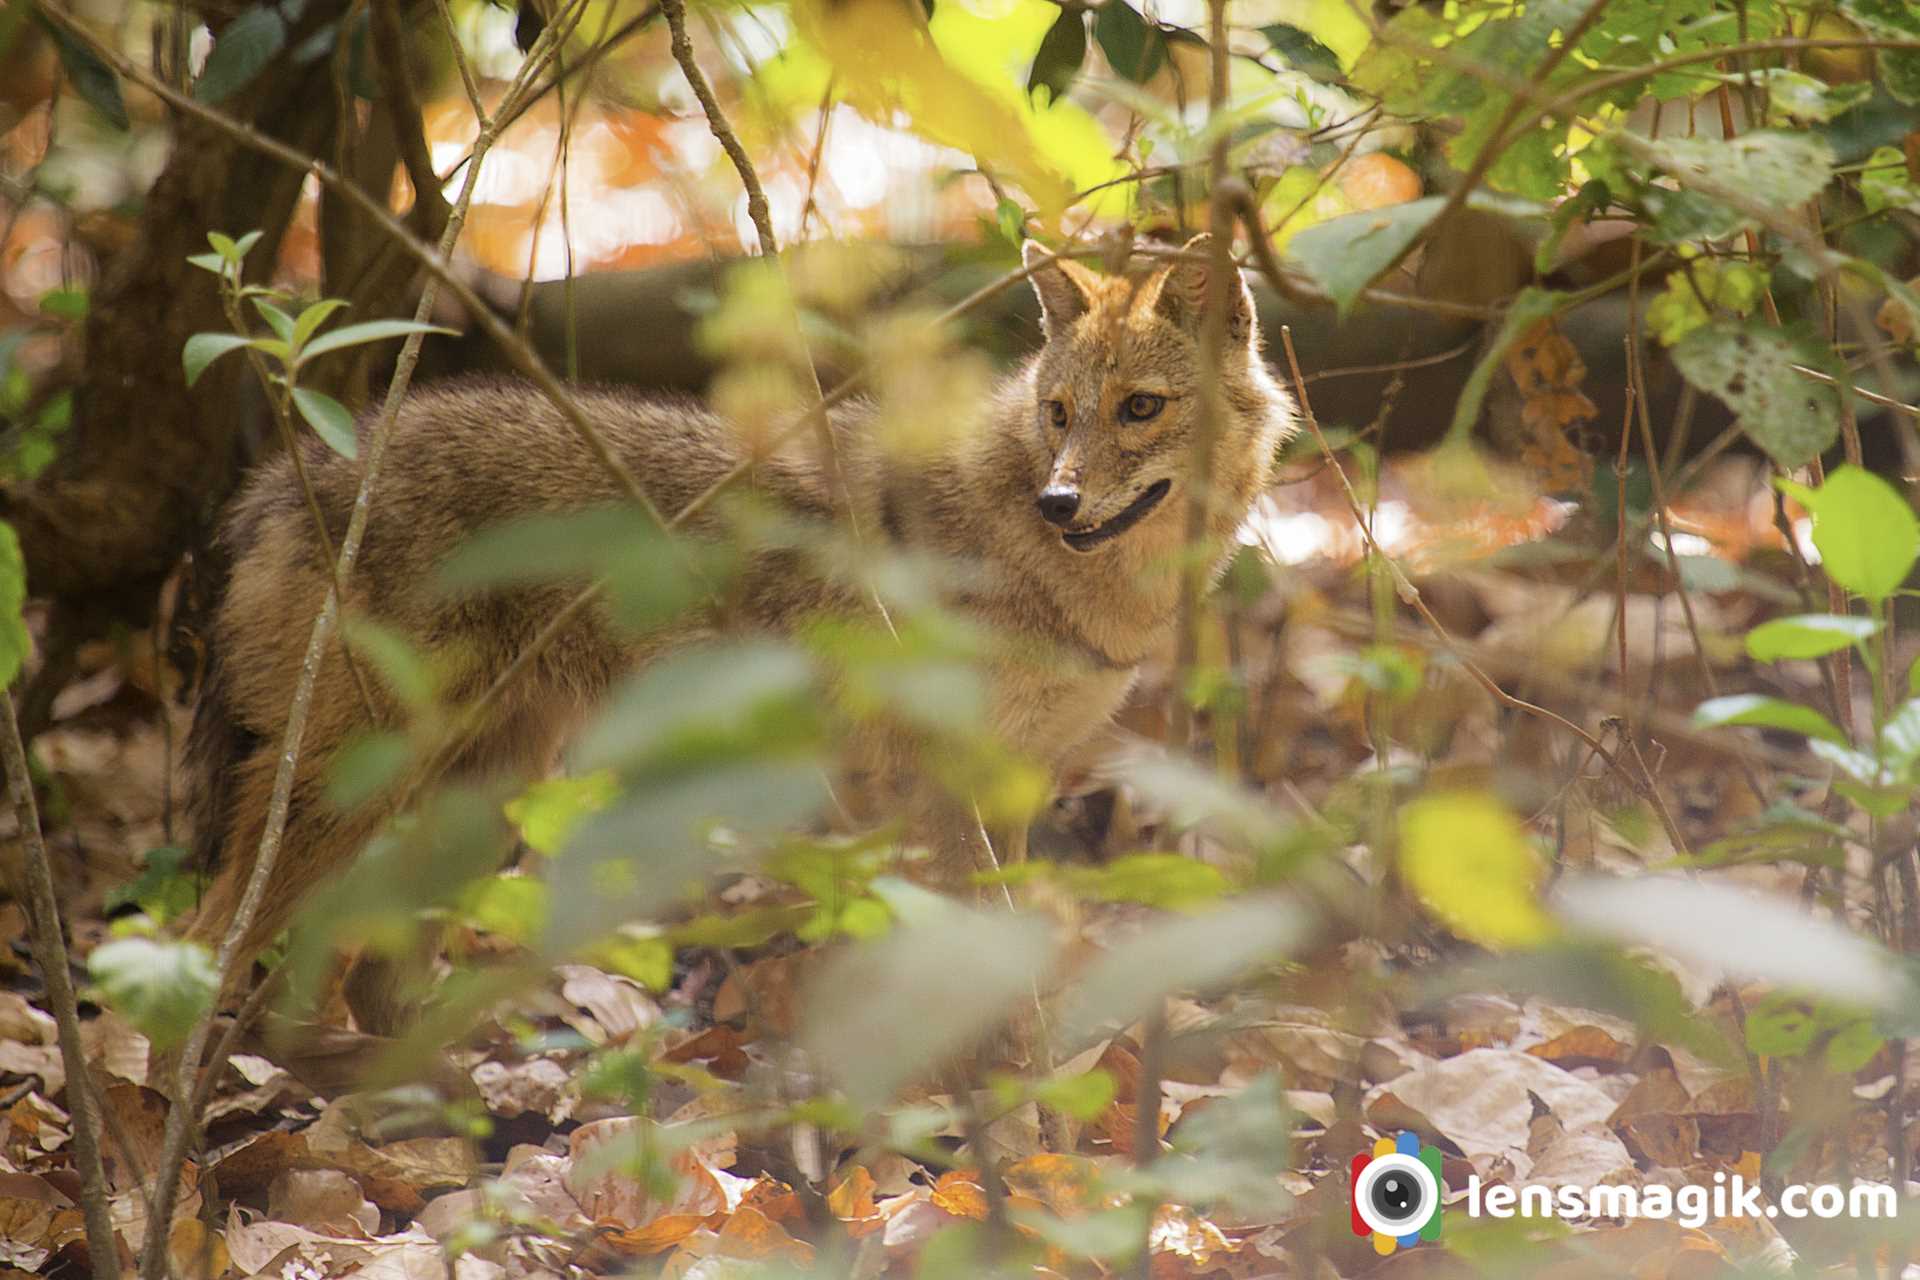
1070 501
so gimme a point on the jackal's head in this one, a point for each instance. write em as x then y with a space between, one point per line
1118 401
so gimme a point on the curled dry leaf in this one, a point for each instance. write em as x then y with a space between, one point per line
1479 1100
1590 1156
27 1045
747 1236
36 1221
600 1157
31 1128
1584 1046
538 1085
616 1006
323 1200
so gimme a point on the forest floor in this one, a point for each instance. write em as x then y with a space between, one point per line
299 1182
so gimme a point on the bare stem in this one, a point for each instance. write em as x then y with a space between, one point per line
1195 569
50 950
759 214
182 1120
277 401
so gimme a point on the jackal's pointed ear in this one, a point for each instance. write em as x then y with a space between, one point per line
1065 288
1180 291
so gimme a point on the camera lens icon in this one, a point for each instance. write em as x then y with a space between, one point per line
1396 1193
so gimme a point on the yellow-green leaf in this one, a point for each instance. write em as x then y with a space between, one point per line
1470 862
547 812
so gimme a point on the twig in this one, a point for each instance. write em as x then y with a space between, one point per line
50 949
758 214
467 80
1146 1107
277 403
1404 586
1637 378
403 115
1195 573
1498 138
182 1121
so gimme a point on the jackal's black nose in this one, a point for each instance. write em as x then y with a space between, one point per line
1059 505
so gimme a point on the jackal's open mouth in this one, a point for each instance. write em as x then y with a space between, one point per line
1135 512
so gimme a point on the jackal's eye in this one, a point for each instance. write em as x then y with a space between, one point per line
1057 414
1140 406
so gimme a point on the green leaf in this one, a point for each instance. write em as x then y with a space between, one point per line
1771 713
1134 48
1171 881
1681 307
1082 1096
1186 953
1852 1046
402 667
1747 365
367 331
1900 736
1344 254
548 811
244 245
1863 528
15 641
91 78
1468 859
329 419
648 960
512 906
202 349
1857 765
209 262
64 304
1776 168
166 888
1883 182
1807 635
865 1015
223 244
1781 1027
312 318
1804 98
243 49
1892 20
277 319
161 987
1718 928
1301 51
1062 50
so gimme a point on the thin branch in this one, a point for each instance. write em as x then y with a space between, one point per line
467 80
182 1121
1498 139
50 950
1404 586
760 216
1195 571
676 11
277 402
403 115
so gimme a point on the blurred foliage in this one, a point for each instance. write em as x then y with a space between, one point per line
1750 198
